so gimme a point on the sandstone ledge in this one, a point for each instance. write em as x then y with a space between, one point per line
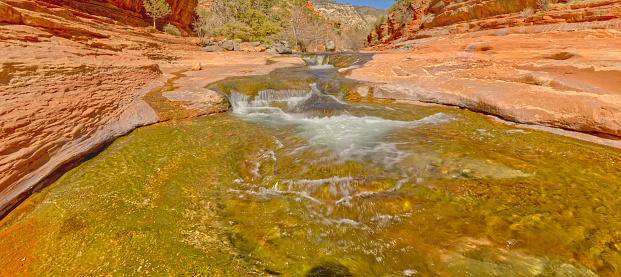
561 79
70 82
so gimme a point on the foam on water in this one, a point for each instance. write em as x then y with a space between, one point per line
318 62
347 136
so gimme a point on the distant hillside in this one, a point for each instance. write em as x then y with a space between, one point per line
359 17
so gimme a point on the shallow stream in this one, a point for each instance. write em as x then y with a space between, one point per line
308 179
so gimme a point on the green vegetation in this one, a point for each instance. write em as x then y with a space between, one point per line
172 30
156 9
400 11
156 219
267 21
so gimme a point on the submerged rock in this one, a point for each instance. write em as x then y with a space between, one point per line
329 270
319 102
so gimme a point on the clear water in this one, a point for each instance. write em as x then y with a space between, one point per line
392 190
304 181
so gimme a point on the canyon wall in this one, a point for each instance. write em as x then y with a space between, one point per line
556 66
130 12
422 18
75 77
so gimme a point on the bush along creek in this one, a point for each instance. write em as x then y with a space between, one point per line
303 177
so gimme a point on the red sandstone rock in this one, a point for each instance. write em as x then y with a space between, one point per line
443 18
560 79
247 48
9 15
72 80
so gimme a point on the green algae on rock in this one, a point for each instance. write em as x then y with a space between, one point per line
368 189
142 207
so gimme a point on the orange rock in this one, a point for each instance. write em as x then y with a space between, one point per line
82 80
197 67
9 15
247 48
539 75
259 49
450 17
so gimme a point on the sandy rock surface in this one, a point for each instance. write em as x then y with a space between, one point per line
558 68
555 79
70 82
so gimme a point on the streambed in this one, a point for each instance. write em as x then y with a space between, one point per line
303 178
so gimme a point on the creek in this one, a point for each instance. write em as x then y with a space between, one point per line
307 178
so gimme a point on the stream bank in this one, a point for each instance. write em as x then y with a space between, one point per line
304 176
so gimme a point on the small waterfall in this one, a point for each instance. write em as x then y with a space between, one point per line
319 62
241 103
324 122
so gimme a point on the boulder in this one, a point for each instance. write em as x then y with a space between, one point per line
280 50
229 45
331 46
271 51
247 48
213 48
284 50
260 49
207 42
252 44
282 43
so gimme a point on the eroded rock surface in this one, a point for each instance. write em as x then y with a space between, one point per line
71 81
558 68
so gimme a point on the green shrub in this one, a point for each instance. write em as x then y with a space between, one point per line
172 30
156 9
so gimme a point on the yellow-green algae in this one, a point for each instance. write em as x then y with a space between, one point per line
141 207
489 200
472 198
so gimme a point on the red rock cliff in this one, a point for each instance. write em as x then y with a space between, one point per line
132 12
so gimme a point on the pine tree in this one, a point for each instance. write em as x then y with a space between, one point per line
156 9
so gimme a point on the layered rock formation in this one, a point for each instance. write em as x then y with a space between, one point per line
360 17
421 18
70 81
130 12
558 68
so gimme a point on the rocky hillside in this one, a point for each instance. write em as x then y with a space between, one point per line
360 17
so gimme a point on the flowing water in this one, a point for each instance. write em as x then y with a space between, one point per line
308 179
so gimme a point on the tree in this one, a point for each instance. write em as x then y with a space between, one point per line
156 9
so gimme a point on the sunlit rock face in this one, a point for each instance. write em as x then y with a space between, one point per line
132 12
349 15
421 19
507 58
